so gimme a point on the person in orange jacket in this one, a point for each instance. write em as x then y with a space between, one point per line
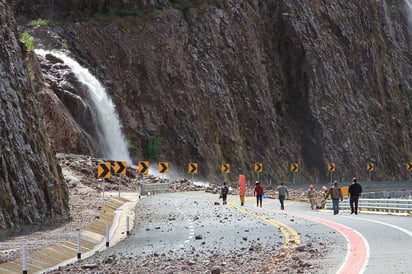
258 193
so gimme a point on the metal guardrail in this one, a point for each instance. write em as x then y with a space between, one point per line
378 205
388 194
146 189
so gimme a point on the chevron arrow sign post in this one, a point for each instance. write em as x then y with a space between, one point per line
193 168
164 167
120 167
143 167
225 168
294 167
103 170
258 167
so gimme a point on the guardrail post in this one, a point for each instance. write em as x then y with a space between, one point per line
79 252
127 225
107 235
24 259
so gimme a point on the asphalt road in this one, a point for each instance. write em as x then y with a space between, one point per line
174 227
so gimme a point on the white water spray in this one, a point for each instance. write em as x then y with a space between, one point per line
115 143
408 4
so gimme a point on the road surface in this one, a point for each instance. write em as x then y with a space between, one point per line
189 233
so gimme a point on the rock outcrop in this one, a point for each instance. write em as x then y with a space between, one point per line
277 82
32 188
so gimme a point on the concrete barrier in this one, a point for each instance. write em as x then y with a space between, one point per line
93 239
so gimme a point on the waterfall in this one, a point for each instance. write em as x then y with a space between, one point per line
388 20
408 4
115 145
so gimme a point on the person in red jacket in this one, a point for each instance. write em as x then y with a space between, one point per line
258 192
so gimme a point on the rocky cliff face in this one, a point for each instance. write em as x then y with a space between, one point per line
31 185
278 82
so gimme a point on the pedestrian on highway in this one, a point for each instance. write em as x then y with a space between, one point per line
283 193
313 197
223 192
355 191
325 194
336 194
258 193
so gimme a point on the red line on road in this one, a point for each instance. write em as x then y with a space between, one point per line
358 249
357 255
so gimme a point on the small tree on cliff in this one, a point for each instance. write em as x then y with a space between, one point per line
152 150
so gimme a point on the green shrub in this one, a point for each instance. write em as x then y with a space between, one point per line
65 44
39 22
26 39
400 85
152 150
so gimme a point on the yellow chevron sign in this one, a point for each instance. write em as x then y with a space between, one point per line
225 168
294 167
331 167
409 166
120 167
193 168
103 170
143 167
370 167
258 167
164 167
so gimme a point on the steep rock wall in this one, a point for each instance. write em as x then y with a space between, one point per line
278 82
32 188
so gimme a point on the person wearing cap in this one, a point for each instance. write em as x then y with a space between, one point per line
325 194
258 193
355 191
336 195
312 196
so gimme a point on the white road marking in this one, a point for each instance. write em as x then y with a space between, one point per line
409 233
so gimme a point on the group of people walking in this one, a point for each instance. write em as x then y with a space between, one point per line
282 191
258 192
334 193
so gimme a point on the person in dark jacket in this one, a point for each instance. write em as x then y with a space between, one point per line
223 192
355 191
336 194
258 192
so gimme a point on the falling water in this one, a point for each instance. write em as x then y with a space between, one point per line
388 20
408 4
114 142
